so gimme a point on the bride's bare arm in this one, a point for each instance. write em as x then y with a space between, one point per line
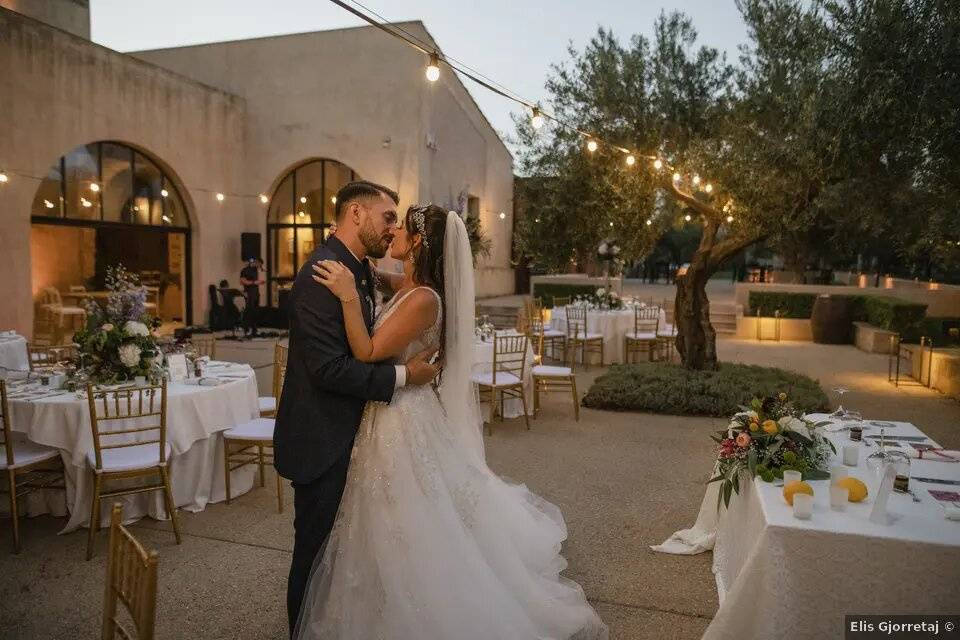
416 314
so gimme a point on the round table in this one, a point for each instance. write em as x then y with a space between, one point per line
613 325
13 352
483 363
195 415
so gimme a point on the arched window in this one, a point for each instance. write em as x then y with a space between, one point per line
106 203
300 216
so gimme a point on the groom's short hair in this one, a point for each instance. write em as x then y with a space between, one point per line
362 190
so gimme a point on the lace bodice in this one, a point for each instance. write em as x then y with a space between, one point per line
429 339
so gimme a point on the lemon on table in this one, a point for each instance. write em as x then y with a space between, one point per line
794 487
856 487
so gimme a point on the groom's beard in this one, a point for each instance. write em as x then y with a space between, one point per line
375 244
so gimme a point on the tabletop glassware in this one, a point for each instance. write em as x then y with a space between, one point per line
840 412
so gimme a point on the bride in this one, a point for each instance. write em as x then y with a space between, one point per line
429 544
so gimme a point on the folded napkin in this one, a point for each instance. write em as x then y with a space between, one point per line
934 455
951 512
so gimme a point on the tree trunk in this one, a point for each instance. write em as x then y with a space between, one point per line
696 338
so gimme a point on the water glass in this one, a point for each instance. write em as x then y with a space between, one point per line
851 454
790 476
838 498
837 473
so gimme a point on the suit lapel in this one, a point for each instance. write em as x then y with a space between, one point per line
361 275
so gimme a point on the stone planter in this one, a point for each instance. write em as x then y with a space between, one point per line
871 339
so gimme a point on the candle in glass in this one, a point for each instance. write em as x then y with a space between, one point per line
802 506
839 497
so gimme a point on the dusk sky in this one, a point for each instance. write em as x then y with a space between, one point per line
512 41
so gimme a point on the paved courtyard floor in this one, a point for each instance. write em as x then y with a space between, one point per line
624 481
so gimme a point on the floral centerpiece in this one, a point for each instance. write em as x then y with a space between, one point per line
766 439
118 342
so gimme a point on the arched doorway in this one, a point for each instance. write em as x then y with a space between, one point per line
300 215
106 203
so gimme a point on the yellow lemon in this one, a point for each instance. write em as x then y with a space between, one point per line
797 486
858 490
769 426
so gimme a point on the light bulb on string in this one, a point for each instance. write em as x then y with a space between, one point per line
729 218
503 216
687 217
708 188
433 68
536 118
303 199
592 146
676 177
658 164
3 177
94 187
264 199
220 197
649 222
333 199
611 224
164 193
696 179
630 160
48 204
301 213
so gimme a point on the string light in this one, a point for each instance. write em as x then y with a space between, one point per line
687 217
301 213
503 216
220 197
696 179
729 218
3 177
303 199
164 193
333 199
630 160
649 222
166 218
708 188
592 146
658 164
536 118
676 177
86 202
264 199
611 224
433 68
94 187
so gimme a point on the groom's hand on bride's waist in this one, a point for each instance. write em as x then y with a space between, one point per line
419 369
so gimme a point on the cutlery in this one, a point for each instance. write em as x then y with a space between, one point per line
936 480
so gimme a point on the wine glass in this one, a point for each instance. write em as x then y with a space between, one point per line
840 412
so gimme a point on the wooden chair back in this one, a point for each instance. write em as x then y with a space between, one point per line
205 344
646 319
115 414
43 355
132 581
510 355
280 353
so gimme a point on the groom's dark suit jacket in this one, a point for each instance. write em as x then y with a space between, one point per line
325 388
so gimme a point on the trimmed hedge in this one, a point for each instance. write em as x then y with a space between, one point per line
790 305
667 388
546 292
885 312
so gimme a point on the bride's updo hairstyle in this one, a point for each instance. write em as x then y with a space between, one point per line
430 221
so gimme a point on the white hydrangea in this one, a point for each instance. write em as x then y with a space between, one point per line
129 355
134 328
601 292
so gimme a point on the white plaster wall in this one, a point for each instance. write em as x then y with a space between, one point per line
58 91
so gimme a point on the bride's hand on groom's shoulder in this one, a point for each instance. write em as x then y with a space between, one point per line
420 370
337 278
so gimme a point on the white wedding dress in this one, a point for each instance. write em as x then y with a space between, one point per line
430 544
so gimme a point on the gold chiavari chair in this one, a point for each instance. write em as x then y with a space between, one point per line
643 338
252 442
268 404
124 447
29 467
666 338
131 580
579 338
205 344
545 339
505 380
43 356
548 379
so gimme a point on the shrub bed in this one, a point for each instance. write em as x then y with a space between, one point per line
885 312
546 292
671 389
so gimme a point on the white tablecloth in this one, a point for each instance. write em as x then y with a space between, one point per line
612 325
13 352
195 415
780 577
483 363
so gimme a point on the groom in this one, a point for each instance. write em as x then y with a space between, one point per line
325 388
